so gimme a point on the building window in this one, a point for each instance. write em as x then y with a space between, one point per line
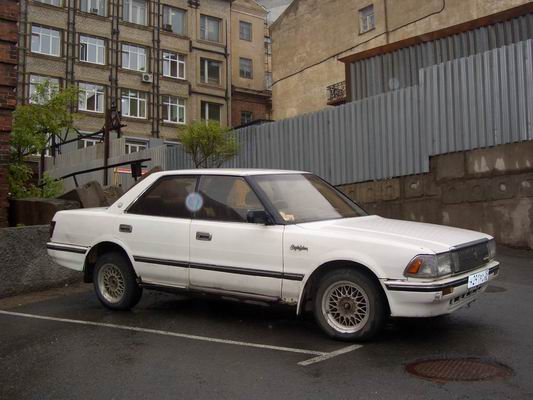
91 98
57 3
268 80
133 57
35 80
45 41
245 68
246 117
174 20
134 11
173 109
93 6
133 104
210 28
367 19
89 142
133 147
210 71
210 111
173 65
92 50
245 31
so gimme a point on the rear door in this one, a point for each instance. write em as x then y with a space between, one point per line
227 253
156 230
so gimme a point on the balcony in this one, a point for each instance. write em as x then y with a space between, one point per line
336 93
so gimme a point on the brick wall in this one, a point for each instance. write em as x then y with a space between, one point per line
258 106
488 190
8 80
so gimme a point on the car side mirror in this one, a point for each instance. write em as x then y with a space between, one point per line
258 217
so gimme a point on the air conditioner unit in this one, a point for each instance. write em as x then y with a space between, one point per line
94 10
147 78
167 27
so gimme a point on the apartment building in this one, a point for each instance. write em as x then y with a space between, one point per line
311 37
162 63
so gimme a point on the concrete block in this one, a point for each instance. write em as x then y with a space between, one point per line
430 186
468 216
390 189
112 194
503 187
477 190
501 159
453 192
387 209
525 184
512 220
368 192
89 195
413 186
421 210
450 166
37 211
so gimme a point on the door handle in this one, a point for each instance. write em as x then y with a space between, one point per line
203 236
125 228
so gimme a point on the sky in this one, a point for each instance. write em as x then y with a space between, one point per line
275 8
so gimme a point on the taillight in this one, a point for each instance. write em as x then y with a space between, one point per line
52 226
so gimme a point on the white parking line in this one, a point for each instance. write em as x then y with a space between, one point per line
320 355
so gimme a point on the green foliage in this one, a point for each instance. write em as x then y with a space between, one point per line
49 114
208 143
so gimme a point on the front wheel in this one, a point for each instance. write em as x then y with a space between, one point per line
349 305
115 282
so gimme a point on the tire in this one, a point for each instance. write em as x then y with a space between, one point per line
361 309
115 282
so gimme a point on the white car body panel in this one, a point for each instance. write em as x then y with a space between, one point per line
273 262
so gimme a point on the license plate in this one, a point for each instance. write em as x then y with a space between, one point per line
477 279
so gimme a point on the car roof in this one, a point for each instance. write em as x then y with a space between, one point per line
228 171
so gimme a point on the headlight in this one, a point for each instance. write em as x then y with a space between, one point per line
429 266
491 245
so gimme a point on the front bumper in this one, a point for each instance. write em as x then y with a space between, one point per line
427 299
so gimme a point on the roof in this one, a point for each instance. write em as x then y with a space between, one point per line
228 171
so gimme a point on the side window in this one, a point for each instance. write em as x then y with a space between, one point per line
166 198
227 198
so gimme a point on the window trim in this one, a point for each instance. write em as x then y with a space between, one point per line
163 24
146 57
362 18
220 25
80 36
251 31
184 106
251 68
205 61
146 100
47 77
61 3
251 117
146 12
103 97
206 103
88 12
184 62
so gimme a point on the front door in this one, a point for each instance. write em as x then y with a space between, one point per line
156 230
227 253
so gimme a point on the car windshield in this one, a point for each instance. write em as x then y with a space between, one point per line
304 198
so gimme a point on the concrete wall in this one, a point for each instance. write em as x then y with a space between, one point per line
311 35
24 264
488 190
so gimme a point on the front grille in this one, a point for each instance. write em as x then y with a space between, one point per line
470 257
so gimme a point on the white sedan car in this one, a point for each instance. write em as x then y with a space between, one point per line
275 236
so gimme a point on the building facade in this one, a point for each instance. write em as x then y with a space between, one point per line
162 63
8 82
311 36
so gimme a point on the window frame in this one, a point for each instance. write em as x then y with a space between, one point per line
139 101
147 191
90 7
250 27
204 31
206 110
139 144
45 78
49 3
41 34
96 92
98 46
137 56
178 62
178 107
367 18
204 62
251 117
129 5
170 9
244 76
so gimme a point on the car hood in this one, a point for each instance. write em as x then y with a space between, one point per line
436 238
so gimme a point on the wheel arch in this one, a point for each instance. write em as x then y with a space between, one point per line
310 284
105 246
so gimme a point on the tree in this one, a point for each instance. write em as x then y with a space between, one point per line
209 144
45 118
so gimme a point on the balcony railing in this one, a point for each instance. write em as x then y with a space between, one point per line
337 93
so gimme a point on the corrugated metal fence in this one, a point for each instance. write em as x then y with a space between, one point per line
472 102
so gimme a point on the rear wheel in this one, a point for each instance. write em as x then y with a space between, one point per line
115 282
349 305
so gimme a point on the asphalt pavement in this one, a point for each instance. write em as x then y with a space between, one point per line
62 344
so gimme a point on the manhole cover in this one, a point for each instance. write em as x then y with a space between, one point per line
458 369
494 289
